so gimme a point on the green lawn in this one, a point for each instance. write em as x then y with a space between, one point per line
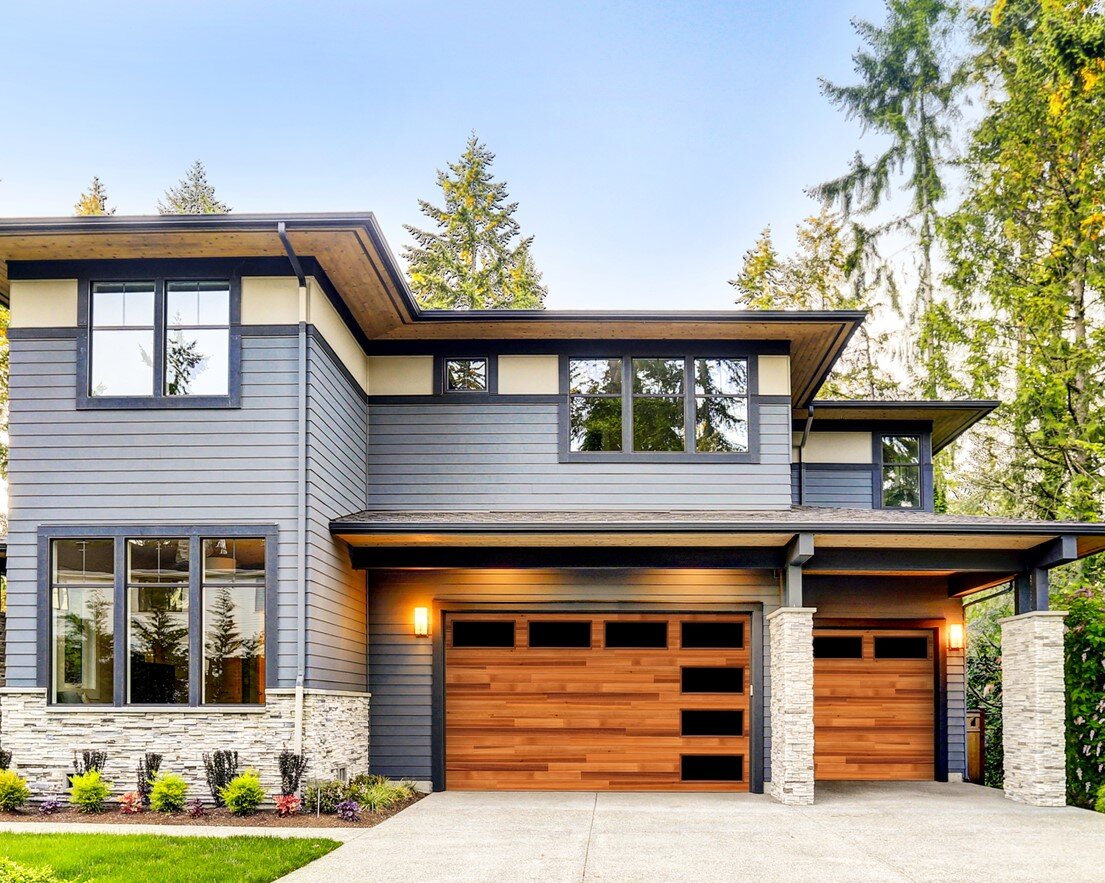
127 858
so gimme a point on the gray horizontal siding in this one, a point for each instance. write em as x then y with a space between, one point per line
506 455
847 487
228 466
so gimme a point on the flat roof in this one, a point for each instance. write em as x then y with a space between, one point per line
949 419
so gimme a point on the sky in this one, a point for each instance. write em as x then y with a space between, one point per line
646 143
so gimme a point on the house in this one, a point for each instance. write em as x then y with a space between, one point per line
260 500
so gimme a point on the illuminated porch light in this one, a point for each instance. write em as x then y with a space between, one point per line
955 636
421 622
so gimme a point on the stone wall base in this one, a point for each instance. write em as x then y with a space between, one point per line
43 739
790 646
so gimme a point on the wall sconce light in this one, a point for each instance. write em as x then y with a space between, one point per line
421 622
955 636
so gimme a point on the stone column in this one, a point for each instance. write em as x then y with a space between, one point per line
790 649
1034 708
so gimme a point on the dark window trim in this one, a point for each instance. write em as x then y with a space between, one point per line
465 395
120 534
159 274
689 454
925 468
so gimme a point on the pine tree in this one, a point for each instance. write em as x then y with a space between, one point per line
194 195
93 201
224 642
476 258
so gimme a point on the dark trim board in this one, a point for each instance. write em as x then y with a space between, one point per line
526 557
572 347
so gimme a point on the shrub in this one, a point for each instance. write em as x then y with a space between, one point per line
349 811
5 759
148 767
89 761
292 767
13 791
49 807
88 791
169 793
1099 805
287 805
130 803
196 809
10 872
221 767
244 795
376 793
324 796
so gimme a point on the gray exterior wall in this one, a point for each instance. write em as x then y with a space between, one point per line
838 486
505 454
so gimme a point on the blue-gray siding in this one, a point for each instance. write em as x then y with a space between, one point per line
472 455
847 487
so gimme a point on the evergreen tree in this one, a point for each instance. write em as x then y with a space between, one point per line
476 258
93 201
194 195
224 642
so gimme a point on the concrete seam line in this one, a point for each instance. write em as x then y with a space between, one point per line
590 833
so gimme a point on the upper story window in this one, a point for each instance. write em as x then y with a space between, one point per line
466 375
658 405
901 471
160 343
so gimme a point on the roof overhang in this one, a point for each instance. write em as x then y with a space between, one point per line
949 419
351 251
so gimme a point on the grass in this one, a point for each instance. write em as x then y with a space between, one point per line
125 858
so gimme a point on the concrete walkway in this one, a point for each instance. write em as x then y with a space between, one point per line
916 831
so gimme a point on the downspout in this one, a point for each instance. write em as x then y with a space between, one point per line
801 462
301 494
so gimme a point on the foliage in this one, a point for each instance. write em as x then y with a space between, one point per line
127 858
324 796
88 761
476 259
147 772
287 805
1099 804
5 759
377 793
349 810
220 767
244 795
13 791
197 809
130 804
93 201
984 677
10 872
49 807
169 794
193 195
89 792
292 768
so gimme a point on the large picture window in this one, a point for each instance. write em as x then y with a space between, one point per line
192 608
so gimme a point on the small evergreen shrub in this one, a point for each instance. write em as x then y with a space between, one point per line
5 759
88 792
196 809
292 767
49 807
13 791
10 872
169 793
349 811
89 761
287 805
324 796
244 795
130 803
221 767
148 768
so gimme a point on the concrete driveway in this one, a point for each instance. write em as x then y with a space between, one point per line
916 831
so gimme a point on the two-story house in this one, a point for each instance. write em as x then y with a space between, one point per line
259 499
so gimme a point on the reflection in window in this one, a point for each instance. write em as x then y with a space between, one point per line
721 405
122 339
234 621
658 405
157 620
82 591
197 338
465 375
595 404
901 471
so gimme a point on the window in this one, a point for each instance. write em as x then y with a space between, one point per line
82 589
192 612
658 406
167 342
636 635
848 647
557 633
901 471
466 375
483 633
901 647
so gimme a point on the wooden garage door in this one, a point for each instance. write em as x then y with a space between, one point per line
874 708
629 702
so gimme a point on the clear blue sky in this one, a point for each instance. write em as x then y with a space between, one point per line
647 143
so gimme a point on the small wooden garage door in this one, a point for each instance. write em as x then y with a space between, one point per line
628 702
874 705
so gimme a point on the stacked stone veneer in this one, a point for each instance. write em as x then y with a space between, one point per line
42 739
790 649
1033 708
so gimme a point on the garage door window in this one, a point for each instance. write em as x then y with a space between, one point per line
901 648
637 635
712 635
477 633
696 679
850 647
712 767
699 722
560 634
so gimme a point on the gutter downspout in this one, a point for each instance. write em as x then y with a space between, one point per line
801 462
301 493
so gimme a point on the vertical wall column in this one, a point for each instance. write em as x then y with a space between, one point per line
1034 708
790 646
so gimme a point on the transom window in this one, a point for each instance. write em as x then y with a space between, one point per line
194 614
159 340
901 471
466 375
658 405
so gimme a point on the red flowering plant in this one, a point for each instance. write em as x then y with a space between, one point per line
287 805
130 803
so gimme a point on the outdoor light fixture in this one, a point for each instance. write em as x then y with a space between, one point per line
955 636
421 622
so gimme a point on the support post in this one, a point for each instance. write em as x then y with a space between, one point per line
790 655
799 550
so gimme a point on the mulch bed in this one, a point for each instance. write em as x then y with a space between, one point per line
266 818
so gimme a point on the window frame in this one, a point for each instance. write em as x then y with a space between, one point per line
689 454
440 387
158 399
924 468
465 393
119 534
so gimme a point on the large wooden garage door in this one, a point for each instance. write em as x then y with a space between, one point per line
630 702
874 707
